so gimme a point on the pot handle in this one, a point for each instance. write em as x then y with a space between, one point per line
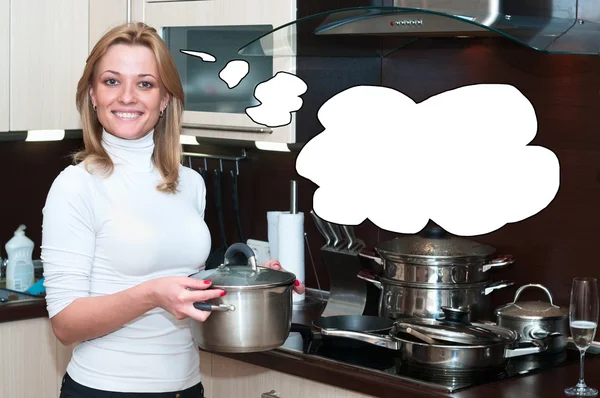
499 262
497 285
366 254
369 276
519 290
371 338
210 307
538 346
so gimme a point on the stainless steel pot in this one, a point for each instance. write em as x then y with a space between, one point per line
435 256
535 320
426 301
450 344
254 315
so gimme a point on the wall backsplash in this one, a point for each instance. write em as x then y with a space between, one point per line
550 247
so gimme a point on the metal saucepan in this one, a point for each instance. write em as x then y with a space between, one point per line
426 301
451 344
254 315
535 320
436 257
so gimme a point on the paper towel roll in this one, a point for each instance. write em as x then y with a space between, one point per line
290 246
272 228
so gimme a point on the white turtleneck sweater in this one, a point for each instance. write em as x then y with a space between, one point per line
103 235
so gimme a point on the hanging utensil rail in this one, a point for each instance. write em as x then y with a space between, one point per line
235 159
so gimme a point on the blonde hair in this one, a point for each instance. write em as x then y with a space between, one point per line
167 150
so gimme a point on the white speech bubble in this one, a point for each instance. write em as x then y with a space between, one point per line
460 158
279 97
206 57
233 73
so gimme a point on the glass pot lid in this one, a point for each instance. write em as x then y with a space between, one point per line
434 243
532 310
248 276
454 328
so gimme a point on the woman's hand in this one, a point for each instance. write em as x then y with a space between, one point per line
173 295
274 264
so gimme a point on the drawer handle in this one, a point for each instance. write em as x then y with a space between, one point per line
270 394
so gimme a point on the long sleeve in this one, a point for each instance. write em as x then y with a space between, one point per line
68 239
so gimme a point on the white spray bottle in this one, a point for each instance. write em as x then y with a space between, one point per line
19 269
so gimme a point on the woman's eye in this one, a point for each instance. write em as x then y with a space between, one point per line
146 85
110 82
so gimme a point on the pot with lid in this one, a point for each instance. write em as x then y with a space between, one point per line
255 314
434 257
450 344
535 320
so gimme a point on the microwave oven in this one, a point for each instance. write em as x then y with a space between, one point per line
220 28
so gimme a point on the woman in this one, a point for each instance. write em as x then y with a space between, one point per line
124 226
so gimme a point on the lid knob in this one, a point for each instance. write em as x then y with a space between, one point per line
240 248
458 315
434 233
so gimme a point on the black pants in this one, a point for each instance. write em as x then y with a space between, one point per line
71 389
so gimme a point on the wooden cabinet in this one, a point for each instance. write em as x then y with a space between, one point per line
33 360
224 377
4 63
48 49
105 15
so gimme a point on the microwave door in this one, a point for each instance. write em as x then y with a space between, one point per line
209 102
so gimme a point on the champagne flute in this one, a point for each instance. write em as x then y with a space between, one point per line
583 319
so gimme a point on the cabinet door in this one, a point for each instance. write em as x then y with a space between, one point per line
4 63
232 378
105 15
28 350
48 49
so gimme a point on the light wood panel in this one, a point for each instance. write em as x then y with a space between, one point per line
33 361
105 15
48 48
4 64
232 378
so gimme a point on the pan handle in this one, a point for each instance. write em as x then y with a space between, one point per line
375 339
538 346
499 262
210 307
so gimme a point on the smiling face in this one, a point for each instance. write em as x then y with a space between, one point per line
127 91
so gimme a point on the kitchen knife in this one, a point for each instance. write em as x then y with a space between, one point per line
336 233
322 228
353 243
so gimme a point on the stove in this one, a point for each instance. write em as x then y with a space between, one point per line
379 359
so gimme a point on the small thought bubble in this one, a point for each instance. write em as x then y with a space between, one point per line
206 57
279 97
460 158
233 73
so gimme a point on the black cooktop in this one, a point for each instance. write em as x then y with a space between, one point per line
387 361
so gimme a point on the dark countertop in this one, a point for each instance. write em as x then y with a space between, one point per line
290 359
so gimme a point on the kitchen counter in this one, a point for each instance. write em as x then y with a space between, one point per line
22 307
292 360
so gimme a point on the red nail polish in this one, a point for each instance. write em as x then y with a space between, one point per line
207 282
223 293
297 283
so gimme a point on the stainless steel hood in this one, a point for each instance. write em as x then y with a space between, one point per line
552 26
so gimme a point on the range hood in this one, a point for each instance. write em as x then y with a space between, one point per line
550 26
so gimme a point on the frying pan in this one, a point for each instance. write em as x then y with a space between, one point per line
355 323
